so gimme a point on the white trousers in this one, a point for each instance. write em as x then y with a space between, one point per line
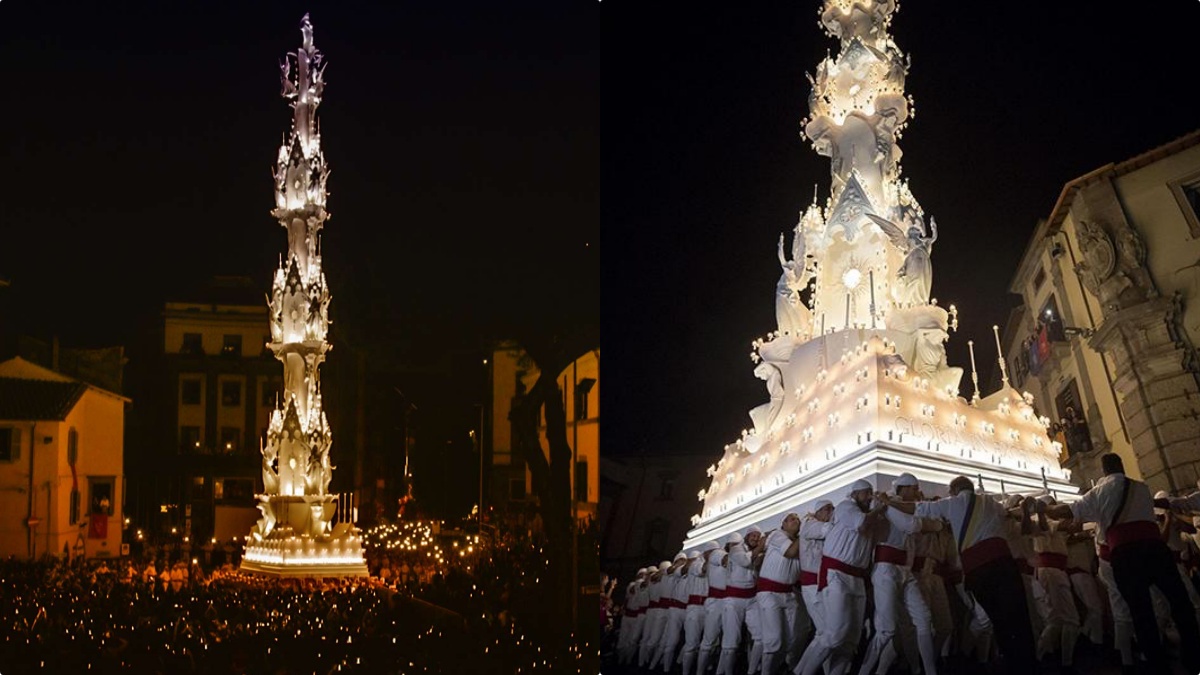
1084 585
631 629
934 590
898 598
693 631
754 627
671 637
1062 619
652 631
777 618
843 605
711 639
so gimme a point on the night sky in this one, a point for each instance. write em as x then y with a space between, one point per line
703 167
138 140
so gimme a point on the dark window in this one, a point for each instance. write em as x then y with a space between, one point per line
1072 428
1039 279
656 538
516 489
231 393
231 345
241 489
10 444
1191 195
230 439
581 481
189 391
270 389
666 488
74 506
189 439
192 344
582 389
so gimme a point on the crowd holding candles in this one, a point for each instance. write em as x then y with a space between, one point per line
434 603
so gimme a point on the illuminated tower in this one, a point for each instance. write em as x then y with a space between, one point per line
856 369
301 532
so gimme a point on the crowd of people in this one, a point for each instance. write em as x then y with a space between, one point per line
471 613
971 582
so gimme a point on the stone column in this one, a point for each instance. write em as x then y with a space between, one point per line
1158 393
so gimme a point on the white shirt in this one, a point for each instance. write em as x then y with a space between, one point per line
1080 553
1019 543
697 582
776 566
1051 540
898 529
812 542
740 573
718 576
843 542
990 518
679 591
655 590
1100 504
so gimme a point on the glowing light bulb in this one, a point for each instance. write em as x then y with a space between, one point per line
851 278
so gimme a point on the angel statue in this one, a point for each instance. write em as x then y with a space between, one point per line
915 277
791 315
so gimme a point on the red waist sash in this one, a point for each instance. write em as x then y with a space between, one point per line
678 604
735 592
984 552
1105 552
1057 561
950 575
1137 530
890 554
717 593
697 599
808 578
770 585
828 563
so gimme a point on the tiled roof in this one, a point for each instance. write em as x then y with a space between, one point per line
22 399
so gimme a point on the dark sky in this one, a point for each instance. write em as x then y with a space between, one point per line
703 167
137 141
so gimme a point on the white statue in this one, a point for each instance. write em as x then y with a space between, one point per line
791 315
764 415
914 279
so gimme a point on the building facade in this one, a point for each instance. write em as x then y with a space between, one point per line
511 374
1106 335
62 482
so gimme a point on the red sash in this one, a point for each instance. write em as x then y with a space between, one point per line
678 604
950 575
984 552
1056 560
1105 552
656 604
735 592
697 599
1124 533
772 586
717 593
808 578
828 563
890 554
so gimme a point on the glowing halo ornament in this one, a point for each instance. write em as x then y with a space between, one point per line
889 404
301 532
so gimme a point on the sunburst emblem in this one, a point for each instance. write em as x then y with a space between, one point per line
854 277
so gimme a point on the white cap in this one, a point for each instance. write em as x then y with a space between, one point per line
735 538
861 484
906 480
709 546
664 566
821 503
754 528
680 556
1162 494
642 572
693 554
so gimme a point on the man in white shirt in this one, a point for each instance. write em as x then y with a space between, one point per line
718 574
631 622
739 589
841 580
895 589
990 575
812 540
693 622
676 613
776 597
756 543
1050 563
656 614
1081 561
1124 515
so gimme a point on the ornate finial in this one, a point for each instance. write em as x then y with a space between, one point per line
1000 353
974 373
